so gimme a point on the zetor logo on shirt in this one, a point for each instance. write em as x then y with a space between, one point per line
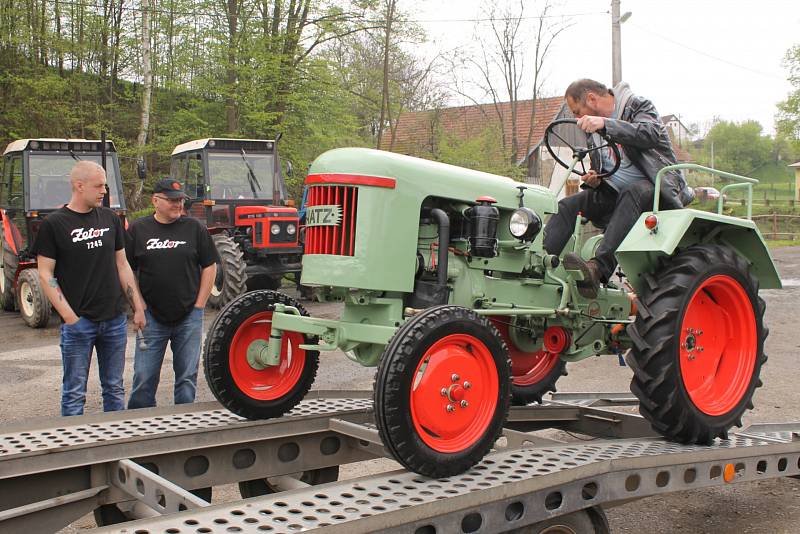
79 234
157 243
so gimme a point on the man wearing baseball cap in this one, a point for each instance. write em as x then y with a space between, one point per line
175 260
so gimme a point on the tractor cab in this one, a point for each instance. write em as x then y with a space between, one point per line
35 182
236 187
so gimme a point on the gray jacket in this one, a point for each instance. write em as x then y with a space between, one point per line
647 144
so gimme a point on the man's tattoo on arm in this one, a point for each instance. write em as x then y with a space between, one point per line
54 284
129 294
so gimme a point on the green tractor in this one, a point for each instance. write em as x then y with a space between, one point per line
448 291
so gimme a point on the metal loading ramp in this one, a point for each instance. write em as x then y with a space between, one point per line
51 475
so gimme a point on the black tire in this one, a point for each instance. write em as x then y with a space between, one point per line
264 281
589 521
262 486
33 304
231 276
658 340
220 376
7 272
522 395
110 514
397 378
528 394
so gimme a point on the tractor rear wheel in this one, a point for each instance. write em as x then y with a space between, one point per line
231 276
698 344
33 304
243 388
533 373
442 391
263 486
8 268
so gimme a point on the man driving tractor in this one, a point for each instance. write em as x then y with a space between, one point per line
616 202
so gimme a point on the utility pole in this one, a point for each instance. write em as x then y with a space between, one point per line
616 42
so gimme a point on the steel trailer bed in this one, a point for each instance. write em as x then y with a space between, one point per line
54 471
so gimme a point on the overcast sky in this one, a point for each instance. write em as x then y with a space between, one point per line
694 58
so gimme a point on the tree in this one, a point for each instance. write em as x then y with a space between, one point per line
788 119
501 66
739 148
141 140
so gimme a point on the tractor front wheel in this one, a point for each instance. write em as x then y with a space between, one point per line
264 281
242 386
8 268
33 304
442 391
698 344
231 276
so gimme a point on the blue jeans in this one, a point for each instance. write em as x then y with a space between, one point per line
108 338
184 339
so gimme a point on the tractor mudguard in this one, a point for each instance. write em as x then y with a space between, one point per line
643 249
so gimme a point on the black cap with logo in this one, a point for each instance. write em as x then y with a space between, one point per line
169 188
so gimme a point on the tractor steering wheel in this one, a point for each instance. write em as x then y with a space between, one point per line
578 153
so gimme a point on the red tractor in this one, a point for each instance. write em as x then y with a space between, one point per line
35 182
236 187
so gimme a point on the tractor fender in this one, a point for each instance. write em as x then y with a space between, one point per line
643 250
10 232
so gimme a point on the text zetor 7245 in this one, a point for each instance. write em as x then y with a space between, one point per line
448 291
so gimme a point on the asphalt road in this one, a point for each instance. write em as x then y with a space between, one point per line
30 377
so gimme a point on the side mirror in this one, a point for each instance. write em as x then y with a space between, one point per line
141 169
289 169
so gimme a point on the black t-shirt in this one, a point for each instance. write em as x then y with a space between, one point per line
169 258
84 246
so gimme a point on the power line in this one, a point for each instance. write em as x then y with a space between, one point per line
649 32
502 19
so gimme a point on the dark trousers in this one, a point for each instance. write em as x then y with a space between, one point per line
606 209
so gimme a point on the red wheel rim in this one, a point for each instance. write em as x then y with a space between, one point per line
271 382
527 368
718 345
464 367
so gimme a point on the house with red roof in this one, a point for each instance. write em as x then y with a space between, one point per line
417 133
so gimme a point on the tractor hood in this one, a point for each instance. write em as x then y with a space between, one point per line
423 178
363 213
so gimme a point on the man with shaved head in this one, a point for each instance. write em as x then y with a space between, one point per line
82 265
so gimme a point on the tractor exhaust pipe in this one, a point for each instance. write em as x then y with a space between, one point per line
428 293
444 242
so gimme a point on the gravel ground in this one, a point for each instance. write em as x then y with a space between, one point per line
30 376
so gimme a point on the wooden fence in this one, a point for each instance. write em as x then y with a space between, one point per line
778 226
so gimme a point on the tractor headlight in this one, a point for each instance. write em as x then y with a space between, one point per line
291 229
275 229
525 224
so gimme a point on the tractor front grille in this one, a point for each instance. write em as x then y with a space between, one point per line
336 240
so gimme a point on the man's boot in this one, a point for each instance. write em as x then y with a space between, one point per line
590 271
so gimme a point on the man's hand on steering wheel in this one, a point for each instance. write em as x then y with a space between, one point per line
587 123
591 123
591 179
